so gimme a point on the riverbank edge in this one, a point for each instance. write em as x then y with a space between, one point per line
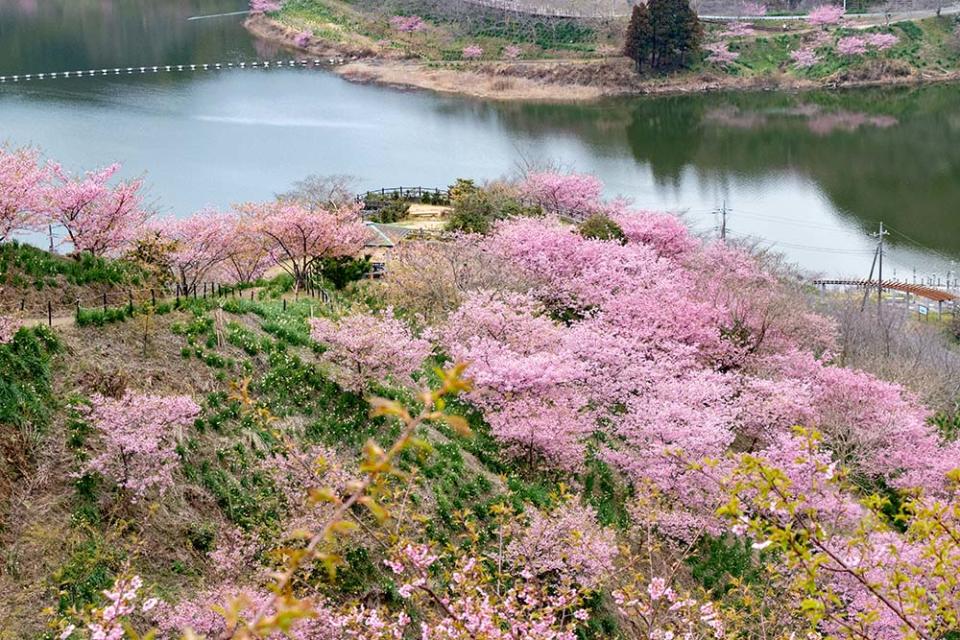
506 81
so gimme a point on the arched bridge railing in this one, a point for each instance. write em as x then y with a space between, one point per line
377 198
923 291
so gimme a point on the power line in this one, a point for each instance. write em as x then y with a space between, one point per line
792 245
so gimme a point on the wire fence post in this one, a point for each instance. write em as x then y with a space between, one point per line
153 298
104 301
49 314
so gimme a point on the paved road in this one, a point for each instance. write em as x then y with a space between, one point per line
622 8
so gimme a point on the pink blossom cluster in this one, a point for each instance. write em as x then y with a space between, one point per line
295 473
473 608
109 622
98 218
9 328
825 15
673 350
198 243
234 554
852 46
265 6
303 39
512 52
407 24
860 563
298 237
881 41
472 52
661 612
370 348
573 195
22 191
567 543
804 58
138 436
720 53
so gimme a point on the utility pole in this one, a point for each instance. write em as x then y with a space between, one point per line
723 222
879 236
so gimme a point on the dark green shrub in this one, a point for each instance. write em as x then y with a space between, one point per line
393 212
602 227
343 270
719 560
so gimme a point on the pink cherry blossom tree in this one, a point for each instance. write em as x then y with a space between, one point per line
98 218
719 53
248 256
138 436
298 237
566 543
200 243
265 6
22 191
804 58
825 15
472 52
512 52
370 348
407 24
572 195
881 41
852 46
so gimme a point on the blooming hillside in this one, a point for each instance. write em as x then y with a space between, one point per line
565 419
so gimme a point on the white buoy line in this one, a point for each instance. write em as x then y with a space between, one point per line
169 68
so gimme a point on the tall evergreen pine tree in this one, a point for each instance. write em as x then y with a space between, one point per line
639 36
665 33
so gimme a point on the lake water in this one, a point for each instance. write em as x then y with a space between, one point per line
810 175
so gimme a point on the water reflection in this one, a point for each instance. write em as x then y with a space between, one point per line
62 35
891 155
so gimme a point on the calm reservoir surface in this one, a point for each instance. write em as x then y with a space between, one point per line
810 175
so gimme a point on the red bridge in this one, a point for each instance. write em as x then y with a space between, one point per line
922 291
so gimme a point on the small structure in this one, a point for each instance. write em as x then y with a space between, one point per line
377 248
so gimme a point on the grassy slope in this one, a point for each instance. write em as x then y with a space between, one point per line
926 48
30 277
66 538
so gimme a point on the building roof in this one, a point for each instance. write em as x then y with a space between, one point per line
378 238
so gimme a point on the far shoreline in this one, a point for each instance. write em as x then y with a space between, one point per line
548 80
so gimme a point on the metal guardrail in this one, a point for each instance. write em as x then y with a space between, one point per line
924 291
